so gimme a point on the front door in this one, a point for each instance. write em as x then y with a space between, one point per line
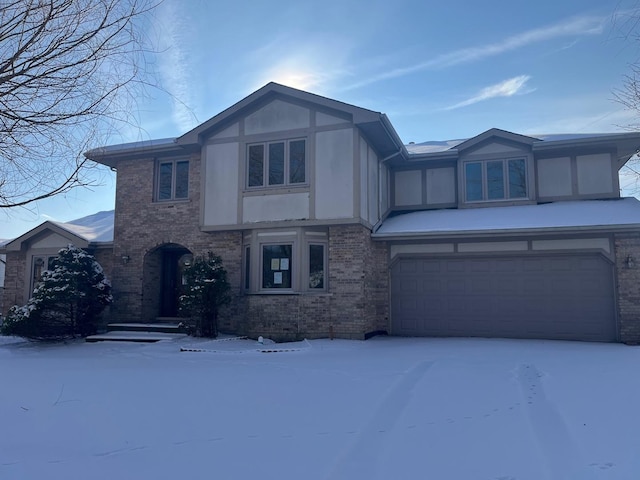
171 286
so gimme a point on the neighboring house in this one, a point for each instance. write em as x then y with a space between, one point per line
30 254
328 225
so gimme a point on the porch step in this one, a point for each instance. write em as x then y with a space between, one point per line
139 332
135 336
145 327
171 320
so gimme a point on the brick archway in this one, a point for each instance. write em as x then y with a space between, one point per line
162 280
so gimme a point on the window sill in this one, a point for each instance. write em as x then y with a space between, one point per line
275 190
289 292
503 201
170 202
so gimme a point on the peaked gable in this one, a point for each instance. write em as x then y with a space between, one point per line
41 234
497 136
272 98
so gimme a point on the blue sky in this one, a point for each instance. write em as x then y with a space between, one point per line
439 70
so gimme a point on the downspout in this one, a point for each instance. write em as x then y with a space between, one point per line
401 150
380 165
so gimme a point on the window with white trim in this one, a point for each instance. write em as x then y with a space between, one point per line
278 163
172 180
490 180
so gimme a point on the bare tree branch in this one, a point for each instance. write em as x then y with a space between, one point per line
70 74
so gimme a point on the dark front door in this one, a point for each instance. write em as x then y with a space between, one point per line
171 283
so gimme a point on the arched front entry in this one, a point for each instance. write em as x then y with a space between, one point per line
162 280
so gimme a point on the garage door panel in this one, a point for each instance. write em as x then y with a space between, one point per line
429 266
532 265
552 296
454 266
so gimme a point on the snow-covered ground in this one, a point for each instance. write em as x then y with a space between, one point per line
387 408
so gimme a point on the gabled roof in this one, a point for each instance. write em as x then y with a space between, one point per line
93 229
625 144
263 95
375 126
498 134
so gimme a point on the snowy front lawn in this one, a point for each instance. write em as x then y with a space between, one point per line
387 408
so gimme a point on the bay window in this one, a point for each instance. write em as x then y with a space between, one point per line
286 261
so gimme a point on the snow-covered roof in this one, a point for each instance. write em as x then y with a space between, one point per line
444 145
96 228
93 228
576 215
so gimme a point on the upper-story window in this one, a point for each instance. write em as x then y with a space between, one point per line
276 163
495 180
172 180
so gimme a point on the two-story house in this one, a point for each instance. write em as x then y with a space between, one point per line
328 225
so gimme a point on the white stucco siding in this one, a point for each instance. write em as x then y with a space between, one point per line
554 177
334 175
595 174
408 188
496 148
277 116
272 208
52 240
441 185
409 249
231 131
221 184
324 119
573 244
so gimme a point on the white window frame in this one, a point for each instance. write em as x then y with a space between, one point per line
505 180
174 163
287 164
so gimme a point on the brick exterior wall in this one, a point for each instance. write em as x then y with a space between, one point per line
628 287
143 226
14 278
355 305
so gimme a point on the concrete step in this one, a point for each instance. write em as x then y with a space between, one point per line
172 320
145 327
145 337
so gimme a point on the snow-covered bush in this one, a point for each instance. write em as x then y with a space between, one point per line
66 302
206 289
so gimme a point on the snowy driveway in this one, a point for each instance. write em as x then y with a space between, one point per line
387 408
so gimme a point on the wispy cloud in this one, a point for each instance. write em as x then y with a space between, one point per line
175 64
506 88
314 63
575 26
